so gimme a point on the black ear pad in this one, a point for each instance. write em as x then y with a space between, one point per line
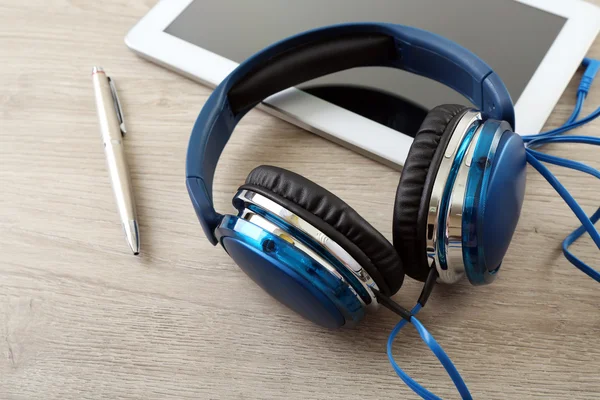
416 184
336 219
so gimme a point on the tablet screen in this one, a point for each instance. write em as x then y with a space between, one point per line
510 36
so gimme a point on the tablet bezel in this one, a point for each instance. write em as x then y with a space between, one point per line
148 39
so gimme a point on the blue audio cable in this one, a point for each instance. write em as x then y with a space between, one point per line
437 351
535 159
409 317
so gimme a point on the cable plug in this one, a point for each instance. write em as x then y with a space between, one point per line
592 68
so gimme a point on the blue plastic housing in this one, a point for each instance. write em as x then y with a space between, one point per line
317 248
289 275
494 196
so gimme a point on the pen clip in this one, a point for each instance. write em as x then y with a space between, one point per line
117 103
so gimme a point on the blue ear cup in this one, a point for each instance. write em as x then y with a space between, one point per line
460 196
288 274
292 256
495 190
476 199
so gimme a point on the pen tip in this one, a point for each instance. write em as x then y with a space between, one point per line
133 236
95 70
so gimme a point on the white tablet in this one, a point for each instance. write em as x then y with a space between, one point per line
535 46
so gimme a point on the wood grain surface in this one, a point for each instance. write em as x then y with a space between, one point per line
81 318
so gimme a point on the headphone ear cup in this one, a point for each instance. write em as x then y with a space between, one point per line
416 184
495 190
334 218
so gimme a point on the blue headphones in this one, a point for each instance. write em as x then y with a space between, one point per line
457 204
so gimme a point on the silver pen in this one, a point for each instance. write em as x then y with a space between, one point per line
112 128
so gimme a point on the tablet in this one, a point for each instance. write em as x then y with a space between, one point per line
535 46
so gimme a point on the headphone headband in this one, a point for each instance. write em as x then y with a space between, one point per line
320 52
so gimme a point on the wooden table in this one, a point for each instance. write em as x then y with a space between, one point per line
81 318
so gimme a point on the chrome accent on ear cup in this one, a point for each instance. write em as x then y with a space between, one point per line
248 197
454 256
435 202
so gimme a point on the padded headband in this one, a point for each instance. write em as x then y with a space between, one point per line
320 52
